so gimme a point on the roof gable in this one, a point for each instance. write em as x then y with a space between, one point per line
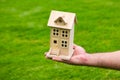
60 19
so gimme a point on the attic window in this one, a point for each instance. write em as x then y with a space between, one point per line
60 21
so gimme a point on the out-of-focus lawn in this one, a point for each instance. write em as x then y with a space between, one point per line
24 37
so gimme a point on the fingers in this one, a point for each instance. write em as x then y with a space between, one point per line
53 58
74 46
58 59
78 49
81 50
46 55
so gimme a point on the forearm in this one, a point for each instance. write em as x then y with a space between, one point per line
106 60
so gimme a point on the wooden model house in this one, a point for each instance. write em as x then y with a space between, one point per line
62 34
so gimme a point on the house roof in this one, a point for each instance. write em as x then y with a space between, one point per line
61 19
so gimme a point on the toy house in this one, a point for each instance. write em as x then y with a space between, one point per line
62 34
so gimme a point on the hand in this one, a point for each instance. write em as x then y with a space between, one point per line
79 57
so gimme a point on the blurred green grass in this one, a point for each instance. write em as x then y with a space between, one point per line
24 37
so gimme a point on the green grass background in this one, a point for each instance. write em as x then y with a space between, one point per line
24 37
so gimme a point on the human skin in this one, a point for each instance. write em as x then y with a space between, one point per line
81 57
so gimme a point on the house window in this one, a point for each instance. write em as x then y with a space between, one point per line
64 43
60 20
55 32
64 33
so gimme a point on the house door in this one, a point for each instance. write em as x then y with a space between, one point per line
55 46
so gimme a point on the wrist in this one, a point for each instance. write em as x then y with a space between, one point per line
92 60
87 59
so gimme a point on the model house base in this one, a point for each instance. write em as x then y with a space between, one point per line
50 55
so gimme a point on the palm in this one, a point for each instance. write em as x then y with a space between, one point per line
78 57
